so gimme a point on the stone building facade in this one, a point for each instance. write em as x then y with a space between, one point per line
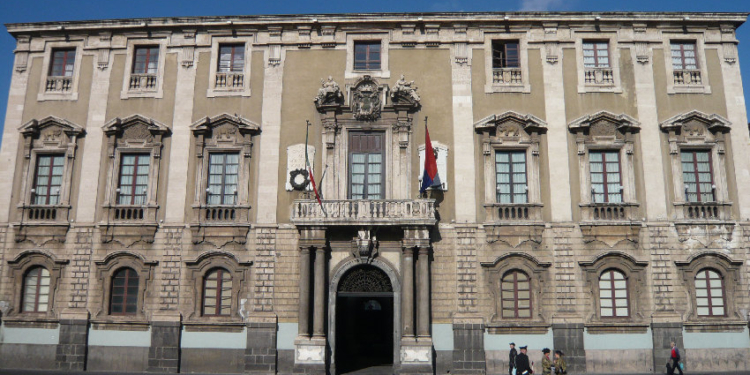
156 212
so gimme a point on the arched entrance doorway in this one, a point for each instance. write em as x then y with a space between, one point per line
364 320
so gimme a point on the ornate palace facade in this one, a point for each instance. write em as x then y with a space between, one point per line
156 212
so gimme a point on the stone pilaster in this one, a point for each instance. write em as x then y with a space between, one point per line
463 137
164 353
80 268
310 352
468 347
663 334
73 341
423 293
569 338
264 265
171 269
466 270
407 293
260 354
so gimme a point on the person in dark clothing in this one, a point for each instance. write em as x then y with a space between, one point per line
674 357
512 358
522 363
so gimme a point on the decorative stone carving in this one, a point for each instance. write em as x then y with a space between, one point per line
404 91
310 354
329 93
365 246
365 280
225 128
366 100
416 354
295 161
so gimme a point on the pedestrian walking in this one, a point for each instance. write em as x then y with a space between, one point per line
523 367
546 362
675 358
512 359
560 366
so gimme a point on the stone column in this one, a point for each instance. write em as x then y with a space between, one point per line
407 303
423 293
304 292
319 302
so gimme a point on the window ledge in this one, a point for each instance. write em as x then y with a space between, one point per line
715 324
524 88
689 89
215 324
517 326
30 320
617 326
610 88
354 74
57 96
215 93
112 323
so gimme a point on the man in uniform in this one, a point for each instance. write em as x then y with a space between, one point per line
523 367
512 358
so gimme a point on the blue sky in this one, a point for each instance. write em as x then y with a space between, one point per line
68 10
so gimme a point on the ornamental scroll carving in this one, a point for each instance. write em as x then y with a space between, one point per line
367 280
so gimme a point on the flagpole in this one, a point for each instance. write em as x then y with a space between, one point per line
310 170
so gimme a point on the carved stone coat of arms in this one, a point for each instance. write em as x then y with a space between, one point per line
366 103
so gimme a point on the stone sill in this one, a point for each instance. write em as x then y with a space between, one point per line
214 326
716 326
605 327
517 327
125 325
39 321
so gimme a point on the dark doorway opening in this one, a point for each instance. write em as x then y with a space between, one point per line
364 320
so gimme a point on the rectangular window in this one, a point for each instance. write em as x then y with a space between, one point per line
367 55
697 174
223 171
606 182
505 54
133 188
683 56
231 58
366 165
48 179
63 61
595 54
510 169
146 60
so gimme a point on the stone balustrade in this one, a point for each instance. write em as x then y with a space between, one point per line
599 76
507 76
44 213
687 77
58 84
364 212
229 81
609 211
143 82
131 214
221 214
702 211
513 212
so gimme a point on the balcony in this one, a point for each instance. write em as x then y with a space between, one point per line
59 85
43 213
602 212
142 82
364 212
599 76
513 212
686 77
507 76
704 211
221 214
42 223
131 213
229 81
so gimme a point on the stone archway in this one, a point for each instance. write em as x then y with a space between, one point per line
364 317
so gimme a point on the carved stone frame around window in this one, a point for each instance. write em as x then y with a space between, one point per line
607 131
614 62
704 87
538 274
729 270
216 42
696 130
512 131
18 268
523 60
133 134
72 93
105 270
240 271
364 36
50 135
157 92
635 275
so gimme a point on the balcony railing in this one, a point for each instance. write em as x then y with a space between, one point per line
44 213
131 214
702 211
609 211
511 212
364 212
687 77
142 82
229 81
599 76
58 84
507 76
221 214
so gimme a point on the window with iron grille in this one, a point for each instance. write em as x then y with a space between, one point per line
124 293
505 54
366 170
606 181
367 55
217 293
613 294
697 174
146 60
683 55
709 293
231 58
134 171
223 169
48 179
595 54
515 296
511 184
63 61
36 290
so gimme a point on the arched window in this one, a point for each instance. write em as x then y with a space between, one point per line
124 295
613 294
516 295
709 293
217 293
36 290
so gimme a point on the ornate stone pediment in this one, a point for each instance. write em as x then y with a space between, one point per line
510 128
366 99
137 131
225 130
604 126
50 132
696 127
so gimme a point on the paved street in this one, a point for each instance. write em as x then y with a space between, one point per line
369 371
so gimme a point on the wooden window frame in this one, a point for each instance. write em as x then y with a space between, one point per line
219 289
129 279
37 293
149 49
500 53
232 67
135 175
223 196
369 64
682 44
49 185
65 58
510 153
595 44
604 173
708 288
516 299
695 172
350 158
614 299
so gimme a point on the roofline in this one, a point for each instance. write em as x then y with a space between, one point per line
735 18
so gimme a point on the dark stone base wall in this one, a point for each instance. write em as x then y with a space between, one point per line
569 339
260 355
663 334
71 349
164 353
468 349
117 358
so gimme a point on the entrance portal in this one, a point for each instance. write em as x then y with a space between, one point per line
364 320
